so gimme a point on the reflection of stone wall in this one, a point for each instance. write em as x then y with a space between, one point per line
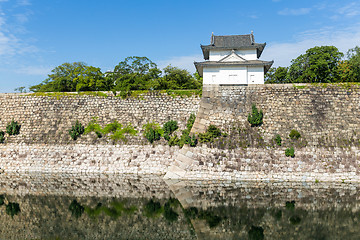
320 211
48 119
48 217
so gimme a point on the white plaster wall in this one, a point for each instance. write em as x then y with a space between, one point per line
234 75
226 75
216 55
255 75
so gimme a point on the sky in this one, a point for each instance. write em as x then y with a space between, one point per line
38 35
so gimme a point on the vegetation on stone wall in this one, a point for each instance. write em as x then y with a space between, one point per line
76 130
13 128
255 118
278 139
2 136
168 128
290 152
114 130
152 131
294 134
211 133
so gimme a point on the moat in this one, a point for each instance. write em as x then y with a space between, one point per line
69 206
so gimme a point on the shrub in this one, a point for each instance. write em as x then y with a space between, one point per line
76 209
112 127
76 130
13 128
93 126
174 140
192 141
169 127
119 134
277 139
190 121
152 132
256 117
290 152
211 133
12 209
2 136
295 135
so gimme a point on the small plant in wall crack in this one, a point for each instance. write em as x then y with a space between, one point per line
76 130
255 118
13 128
2 136
277 139
152 131
294 134
290 152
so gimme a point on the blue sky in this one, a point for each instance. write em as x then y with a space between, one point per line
38 35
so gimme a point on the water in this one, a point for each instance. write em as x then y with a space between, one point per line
46 206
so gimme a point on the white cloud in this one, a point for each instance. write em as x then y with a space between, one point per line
183 62
294 12
23 3
283 53
11 41
35 70
350 10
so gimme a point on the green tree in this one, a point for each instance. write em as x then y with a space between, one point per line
135 73
176 78
277 75
71 77
318 64
352 65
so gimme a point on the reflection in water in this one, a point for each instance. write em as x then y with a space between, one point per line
134 207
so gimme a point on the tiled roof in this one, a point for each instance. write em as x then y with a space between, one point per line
233 42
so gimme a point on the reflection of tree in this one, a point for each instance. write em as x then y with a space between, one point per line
76 209
154 209
12 208
114 211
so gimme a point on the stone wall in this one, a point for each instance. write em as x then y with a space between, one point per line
327 117
47 119
324 115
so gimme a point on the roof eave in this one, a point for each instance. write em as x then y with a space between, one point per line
199 68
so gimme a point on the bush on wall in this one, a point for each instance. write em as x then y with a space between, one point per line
152 131
211 133
2 136
76 130
256 117
290 152
13 128
168 128
294 134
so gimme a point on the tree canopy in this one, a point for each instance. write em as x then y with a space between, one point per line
71 77
319 65
134 73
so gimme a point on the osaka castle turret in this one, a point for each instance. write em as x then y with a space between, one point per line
233 60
